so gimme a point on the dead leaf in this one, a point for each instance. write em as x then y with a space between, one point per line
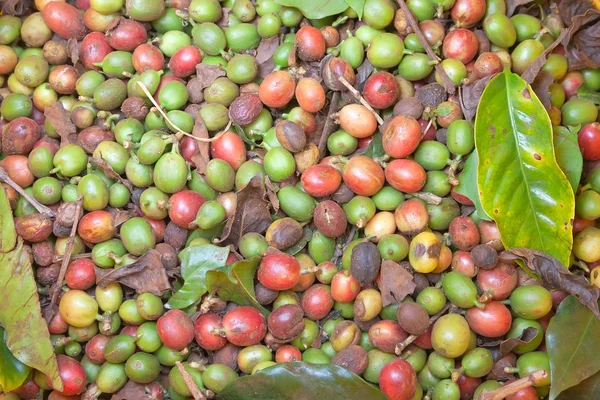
511 6
147 274
292 56
202 157
532 71
60 119
110 173
541 87
73 50
272 194
526 337
498 373
556 276
206 75
137 391
252 214
470 95
264 55
224 21
396 282
16 7
362 73
583 42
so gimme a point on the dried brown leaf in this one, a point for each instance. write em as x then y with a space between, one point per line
533 70
60 119
146 274
224 21
272 193
396 282
511 6
202 157
292 56
206 75
556 276
15 7
541 87
264 55
526 337
252 214
583 42
362 73
137 391
73 50
470 95
498 372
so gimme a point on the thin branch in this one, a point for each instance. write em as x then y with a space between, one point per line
448 84
189 382
361 99
178 129
428 198
513 387
329 126
56 259
42 209
534 69
65 262
402 345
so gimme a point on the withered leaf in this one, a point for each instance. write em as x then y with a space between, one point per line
252 213
396 282
264 55
533 70
541 87
109 171
511 6
363 72
292 56
60 119
272 194
525 338
206 75
224 21
556 276
498 372
483 341
202 157
73 50
146 274
137 391
583 42
470 94
15 7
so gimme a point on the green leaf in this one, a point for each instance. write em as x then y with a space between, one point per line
299 380
375 148
14 372
235 282
568 154
238 129
316 9
586 390
196 261
358 6
573 346
27 334
467 185
8 235
585 92
520 183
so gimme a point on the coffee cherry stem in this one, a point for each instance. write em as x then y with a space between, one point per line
585 187
339 21
513 387
452 170
189 382
361 99
178 129
448 84
428 198
42 209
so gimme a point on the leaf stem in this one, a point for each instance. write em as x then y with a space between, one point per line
448 84
428 198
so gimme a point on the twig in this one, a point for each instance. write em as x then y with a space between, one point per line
513 387
189 382
65 262
42 209
402 345
361 99
448 84
329 126
73 257
428 198
179 130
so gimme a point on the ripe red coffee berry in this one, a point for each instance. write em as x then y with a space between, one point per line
589 141
175 329
402 136
398 380
244 326
207 335
310 44
278 271
381 90
71 374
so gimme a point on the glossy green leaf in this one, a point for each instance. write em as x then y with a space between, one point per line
568 154
14 372
235 282
586 390
8 235
573 345
520 183
467 184
375 148
196 261
27 334
316 9
299 380
358 6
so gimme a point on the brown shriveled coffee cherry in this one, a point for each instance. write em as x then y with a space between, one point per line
412 317
286 322
290 135
484 256
353 358
245 109
330 219
365 262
